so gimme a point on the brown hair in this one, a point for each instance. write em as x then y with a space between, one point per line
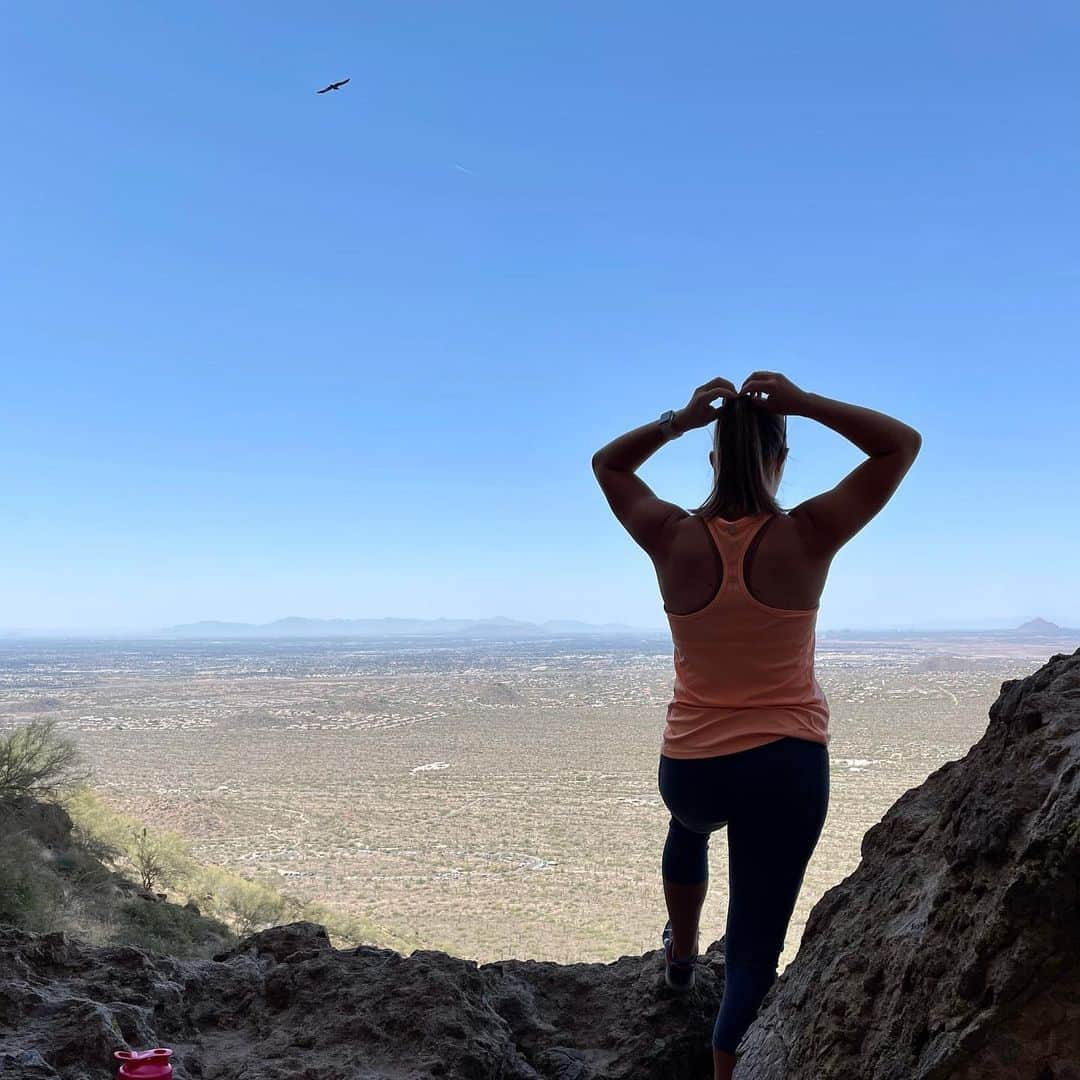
748 440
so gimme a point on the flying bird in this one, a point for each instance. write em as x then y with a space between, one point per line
332 86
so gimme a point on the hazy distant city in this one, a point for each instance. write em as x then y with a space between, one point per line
493 796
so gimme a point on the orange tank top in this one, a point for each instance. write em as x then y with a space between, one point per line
744 671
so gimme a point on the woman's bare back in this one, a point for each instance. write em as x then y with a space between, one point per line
780 568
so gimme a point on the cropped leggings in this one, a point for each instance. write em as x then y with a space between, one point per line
773 800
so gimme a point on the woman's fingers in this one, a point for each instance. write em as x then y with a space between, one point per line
712 384
710 392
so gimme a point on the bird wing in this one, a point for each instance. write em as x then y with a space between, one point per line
343 81
324 89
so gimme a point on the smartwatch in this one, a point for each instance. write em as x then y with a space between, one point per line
666 420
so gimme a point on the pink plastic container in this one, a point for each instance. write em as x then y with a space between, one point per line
145 1064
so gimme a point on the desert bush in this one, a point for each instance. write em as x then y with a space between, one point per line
160 860
37 761
246 905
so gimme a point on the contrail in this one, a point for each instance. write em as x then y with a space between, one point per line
461 168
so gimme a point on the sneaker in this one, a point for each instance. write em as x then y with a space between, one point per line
678 974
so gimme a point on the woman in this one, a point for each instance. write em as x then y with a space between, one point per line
746 739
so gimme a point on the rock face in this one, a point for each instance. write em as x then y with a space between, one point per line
48 822
953 949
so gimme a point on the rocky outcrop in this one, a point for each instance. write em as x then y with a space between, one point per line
285 1005
953 949
47 822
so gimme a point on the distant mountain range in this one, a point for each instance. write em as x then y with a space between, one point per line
1031 629
499 627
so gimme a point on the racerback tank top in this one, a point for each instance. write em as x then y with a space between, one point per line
744 671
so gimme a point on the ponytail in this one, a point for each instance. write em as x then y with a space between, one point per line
748 441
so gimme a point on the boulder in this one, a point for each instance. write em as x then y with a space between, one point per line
953 949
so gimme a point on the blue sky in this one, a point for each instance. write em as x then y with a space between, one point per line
271 353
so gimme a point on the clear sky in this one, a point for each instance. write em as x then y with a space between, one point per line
272 353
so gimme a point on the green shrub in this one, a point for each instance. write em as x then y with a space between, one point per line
246 905
37 761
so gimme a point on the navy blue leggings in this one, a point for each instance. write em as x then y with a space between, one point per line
773 800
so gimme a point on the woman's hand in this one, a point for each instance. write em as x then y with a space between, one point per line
784 396
700 411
